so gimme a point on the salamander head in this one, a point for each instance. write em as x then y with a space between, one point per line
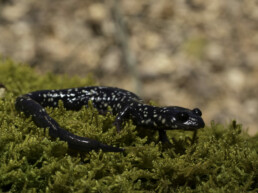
185 119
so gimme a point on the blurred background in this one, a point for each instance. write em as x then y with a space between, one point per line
190 53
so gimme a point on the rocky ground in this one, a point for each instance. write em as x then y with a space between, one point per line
192 53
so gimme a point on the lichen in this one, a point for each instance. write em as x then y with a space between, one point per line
223 158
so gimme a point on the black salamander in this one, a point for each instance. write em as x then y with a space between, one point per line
124 104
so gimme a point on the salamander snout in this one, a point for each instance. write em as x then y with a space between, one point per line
197 115
188 119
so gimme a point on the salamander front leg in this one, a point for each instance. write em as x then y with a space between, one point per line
121 117
163 137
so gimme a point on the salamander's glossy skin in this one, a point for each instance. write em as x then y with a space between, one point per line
123 103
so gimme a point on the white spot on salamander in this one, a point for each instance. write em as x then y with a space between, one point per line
148 121
62 95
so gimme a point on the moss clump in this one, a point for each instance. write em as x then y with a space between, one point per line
223 159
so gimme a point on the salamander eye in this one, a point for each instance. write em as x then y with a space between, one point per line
197 112
182 117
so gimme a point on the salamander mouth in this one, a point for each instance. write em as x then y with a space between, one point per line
193 124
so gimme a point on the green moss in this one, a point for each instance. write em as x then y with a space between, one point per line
223 159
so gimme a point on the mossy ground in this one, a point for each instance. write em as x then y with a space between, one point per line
222 159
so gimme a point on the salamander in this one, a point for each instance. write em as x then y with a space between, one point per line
124 104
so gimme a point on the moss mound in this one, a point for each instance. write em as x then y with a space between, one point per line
221 159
